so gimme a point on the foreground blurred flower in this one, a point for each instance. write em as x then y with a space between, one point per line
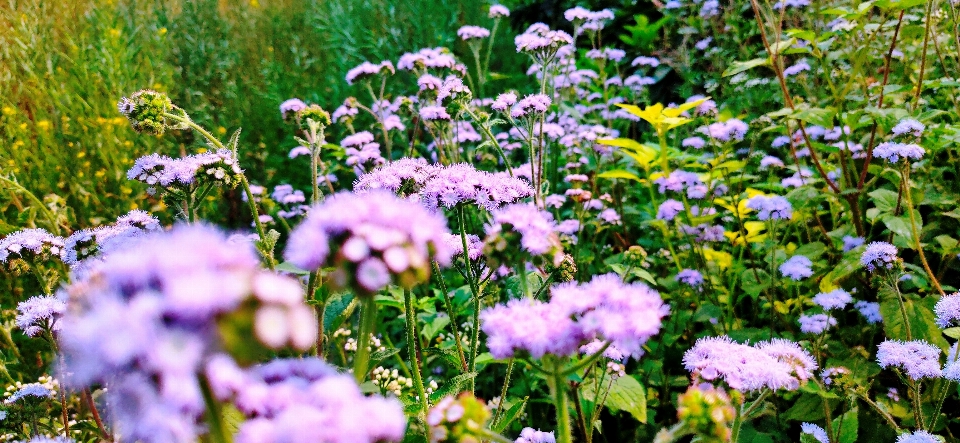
458 420
707 411
372 239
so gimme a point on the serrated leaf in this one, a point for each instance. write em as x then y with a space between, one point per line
920 314
234 142
452 386
381 355
451 356
845 426
627 394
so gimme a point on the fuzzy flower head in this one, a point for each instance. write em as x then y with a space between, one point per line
797 268
542 43
815 431
467 33
777 364
775 207
459 419
835 299
454 89
498 11
32 245
816 323
434 113
669 209
146 110
526 226
919 437
39 314
404 177
291 107
530 435
869 310
918 359
879 255
690 277
536 104
218 168
708 410
909 126
464 184
504 101
850 243
372 239
948 310
367 70
894 151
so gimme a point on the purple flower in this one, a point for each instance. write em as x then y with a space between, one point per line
850 243
816 323
693 142
948 310
893 151
434 113
797 68
462 183
29 390
541 42
298 151
472 32
705 43
529 435
705 108
778 364
498 11
405 176
879 255
952 370
732 129
918 437
690 277
652 62
536 230
869 310
504 101
536 103
292 105
30 244
371 239
815 431
474 245
770 161
780 141
219 168
40 313
669 209
797 268
775 207
532 326
453 88
917 358
909 126
609 216
367 70
835 299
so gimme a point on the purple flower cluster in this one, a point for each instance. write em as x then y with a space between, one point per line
797 68
680 180
669 209
815 431
372 239
816 323
455 243
524 225
464 184
362 153
909 126
869 310
835 299
293 105
291 200
146 320
30 244
850 243
776 364
627 315
729 130
366 70
293 400
531 104
541 42
454 89
920 436
530 435
38 314
775 207
948 310
84 244
467 33
797 267
219 168
879 255
498 11
917 358
690 277
893 151
429 58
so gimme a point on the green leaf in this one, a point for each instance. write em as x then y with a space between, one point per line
845 426
619 173
808 407
234 141
817 116
738 67
900 226
382 355
780 46
627 394
849 264
919 312
291 268
509 416
884 199
452 386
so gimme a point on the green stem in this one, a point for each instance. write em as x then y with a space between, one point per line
903 310
886 415
913 228
503 391
54 226
412 342
218 430
368 325
453 316
561 402
587 361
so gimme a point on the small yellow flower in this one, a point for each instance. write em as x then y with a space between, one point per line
115 33
754 233
162 31
221 130
81 154
101 173
201 150
7 110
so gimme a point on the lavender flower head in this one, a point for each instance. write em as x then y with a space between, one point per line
917 358
403 177
778 364
732 129
468 33
30 244
652 62
541 42
835 299
893 151
366 70
919 437
909 126
796 68
40 313
531 104
372 239
531 326
869 310
690 277
464 184
693 142
529 435
454 89
29 390
814 431
775 207
524 225
219 168
879 255
816 323
669 209
474 245
434 113
504 101
498 11
948 310
292 106
147 316
850 243
797 268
